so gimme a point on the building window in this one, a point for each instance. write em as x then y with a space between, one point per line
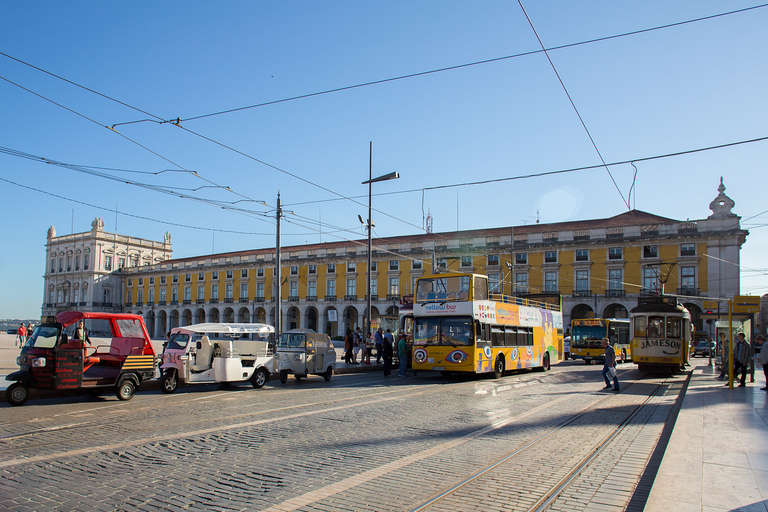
61 264
466 261
494 283
464 284
394 284
244 272
86 262
214 292
312 289
417 265
550 281
69 263
107 262
175 278
259 272
243 290
141 281
134 262
330 288
650 251
687 250
121 263
200 292
351 266
294 270
175 294
351 288
77 263
550 257
151 280
614 253
688 278
188 293
374 290
312 269
215 275
151 294
229 274
188 278
162 294
140 297
442 263
373 266
650 280
130 282
521 258
521 282
394 265
582 280
493 260
53 265
582 255
615 279
331 268
294 290
260 291
108 296
228 291
163 280
77 295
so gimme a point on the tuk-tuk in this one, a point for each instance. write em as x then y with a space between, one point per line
303 352
217 352
110 350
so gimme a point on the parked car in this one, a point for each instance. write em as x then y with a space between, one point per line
703 348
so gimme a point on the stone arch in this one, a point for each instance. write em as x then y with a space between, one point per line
582 311
349 320
149 321
200 316
173 319
696 321
260 315
311 318
244 316
293 318
228 316
213 315
186 317
331 328
162 323
615 311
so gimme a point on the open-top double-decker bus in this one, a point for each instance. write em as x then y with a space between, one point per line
459 327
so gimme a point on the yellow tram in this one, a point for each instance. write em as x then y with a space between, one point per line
661 334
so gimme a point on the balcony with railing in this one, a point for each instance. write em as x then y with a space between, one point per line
582 293
330 298
350 297
614 293
259 299
393 297
311 298
214 300
228 300
688 291
200 301
243 300
293 298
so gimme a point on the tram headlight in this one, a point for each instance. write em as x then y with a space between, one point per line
38 362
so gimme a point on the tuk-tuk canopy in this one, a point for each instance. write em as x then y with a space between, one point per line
226 329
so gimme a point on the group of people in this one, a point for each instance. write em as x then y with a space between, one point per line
744 357
384 342
23 333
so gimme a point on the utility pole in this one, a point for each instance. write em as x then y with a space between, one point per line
278 273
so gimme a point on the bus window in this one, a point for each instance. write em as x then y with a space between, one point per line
497 336
425 331
511 336
457 331
640 323
623 335
613 338
655 326
480 291
674 328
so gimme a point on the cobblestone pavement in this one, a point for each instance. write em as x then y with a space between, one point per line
361 442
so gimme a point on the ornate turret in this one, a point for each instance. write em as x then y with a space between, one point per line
722 205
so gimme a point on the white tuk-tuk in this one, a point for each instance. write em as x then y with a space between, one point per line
303 351
216 352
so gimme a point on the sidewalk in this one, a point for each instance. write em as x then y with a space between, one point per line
717 457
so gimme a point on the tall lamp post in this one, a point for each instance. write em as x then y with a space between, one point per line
370 182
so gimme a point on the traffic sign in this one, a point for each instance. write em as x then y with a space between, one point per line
746 304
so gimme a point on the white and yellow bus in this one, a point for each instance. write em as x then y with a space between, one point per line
459 327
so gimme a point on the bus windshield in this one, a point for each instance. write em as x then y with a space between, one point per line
444 288
584 336
452 331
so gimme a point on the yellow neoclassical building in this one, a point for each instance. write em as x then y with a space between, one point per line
599 266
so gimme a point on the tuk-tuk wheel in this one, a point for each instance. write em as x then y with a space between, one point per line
283 376
328 374
17 393
168 382
126 389
259 378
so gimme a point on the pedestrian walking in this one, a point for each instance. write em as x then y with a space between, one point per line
378 340
609 368
29 330
21 335
387 350
367 348
357 341
763 358
402 355
348 346
742 353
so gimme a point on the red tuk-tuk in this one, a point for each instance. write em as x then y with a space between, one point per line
109 350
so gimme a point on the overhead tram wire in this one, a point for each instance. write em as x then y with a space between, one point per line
444 69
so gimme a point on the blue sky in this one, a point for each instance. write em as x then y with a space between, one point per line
681 88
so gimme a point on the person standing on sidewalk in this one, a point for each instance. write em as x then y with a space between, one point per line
378 340
762 358
388 350
348 347
21 335
610 366
357 342
402 355
742 353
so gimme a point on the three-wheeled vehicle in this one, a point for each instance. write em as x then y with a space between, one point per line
303 351
112 351
217 352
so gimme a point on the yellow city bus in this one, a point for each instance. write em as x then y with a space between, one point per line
459 327
587 335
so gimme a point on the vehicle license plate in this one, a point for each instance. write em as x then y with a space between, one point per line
439 368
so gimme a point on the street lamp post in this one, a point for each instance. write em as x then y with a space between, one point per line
370 182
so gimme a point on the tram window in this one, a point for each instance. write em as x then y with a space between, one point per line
674 327
497 336
655 326
640 323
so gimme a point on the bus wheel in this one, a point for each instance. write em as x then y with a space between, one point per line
283 376
17 394
259 378
546 362
498 368
169 383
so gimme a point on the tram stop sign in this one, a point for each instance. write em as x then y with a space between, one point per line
746 304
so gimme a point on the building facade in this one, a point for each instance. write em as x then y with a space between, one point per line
599 266
83 270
